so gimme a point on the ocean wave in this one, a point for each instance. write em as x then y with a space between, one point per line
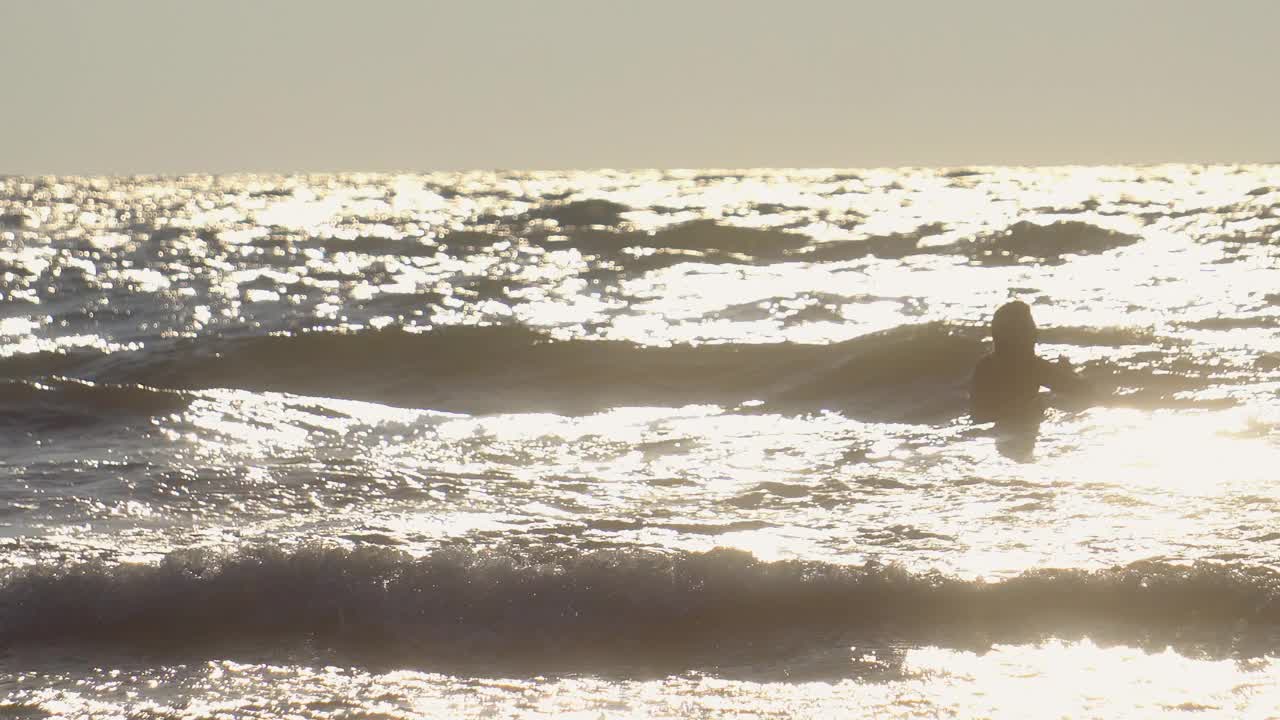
912 373
1049 243
703 241
63 404
594 227
580 213
769 243
513 369
891 246
1115 337
457 603
1022 242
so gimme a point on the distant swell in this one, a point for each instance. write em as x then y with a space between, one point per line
1022 242
911 373
1031 242
625 605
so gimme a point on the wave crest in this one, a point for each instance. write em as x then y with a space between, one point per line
456 603
62 404
513 369
912 373
1049 243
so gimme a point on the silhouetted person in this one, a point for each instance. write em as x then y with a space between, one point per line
1006 383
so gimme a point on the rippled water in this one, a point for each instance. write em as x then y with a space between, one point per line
653 444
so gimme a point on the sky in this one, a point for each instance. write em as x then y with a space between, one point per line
158 86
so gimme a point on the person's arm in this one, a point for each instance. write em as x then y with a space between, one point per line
1061 377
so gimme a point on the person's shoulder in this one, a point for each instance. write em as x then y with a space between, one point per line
984 364
984 372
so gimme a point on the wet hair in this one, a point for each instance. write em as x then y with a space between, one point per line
1012 327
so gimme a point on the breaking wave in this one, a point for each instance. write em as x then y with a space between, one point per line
63 404
621 604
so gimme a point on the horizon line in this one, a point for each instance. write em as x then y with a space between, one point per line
634 169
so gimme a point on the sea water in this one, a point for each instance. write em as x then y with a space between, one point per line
636 444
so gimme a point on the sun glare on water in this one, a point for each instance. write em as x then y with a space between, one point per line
561 381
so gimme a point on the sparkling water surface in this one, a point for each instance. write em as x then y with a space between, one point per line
569 379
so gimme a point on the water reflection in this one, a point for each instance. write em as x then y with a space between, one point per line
1058 679
1017 440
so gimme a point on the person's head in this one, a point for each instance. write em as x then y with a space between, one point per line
1013 331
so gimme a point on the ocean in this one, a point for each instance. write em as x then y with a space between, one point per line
646 444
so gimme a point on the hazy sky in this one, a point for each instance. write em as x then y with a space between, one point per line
163 86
